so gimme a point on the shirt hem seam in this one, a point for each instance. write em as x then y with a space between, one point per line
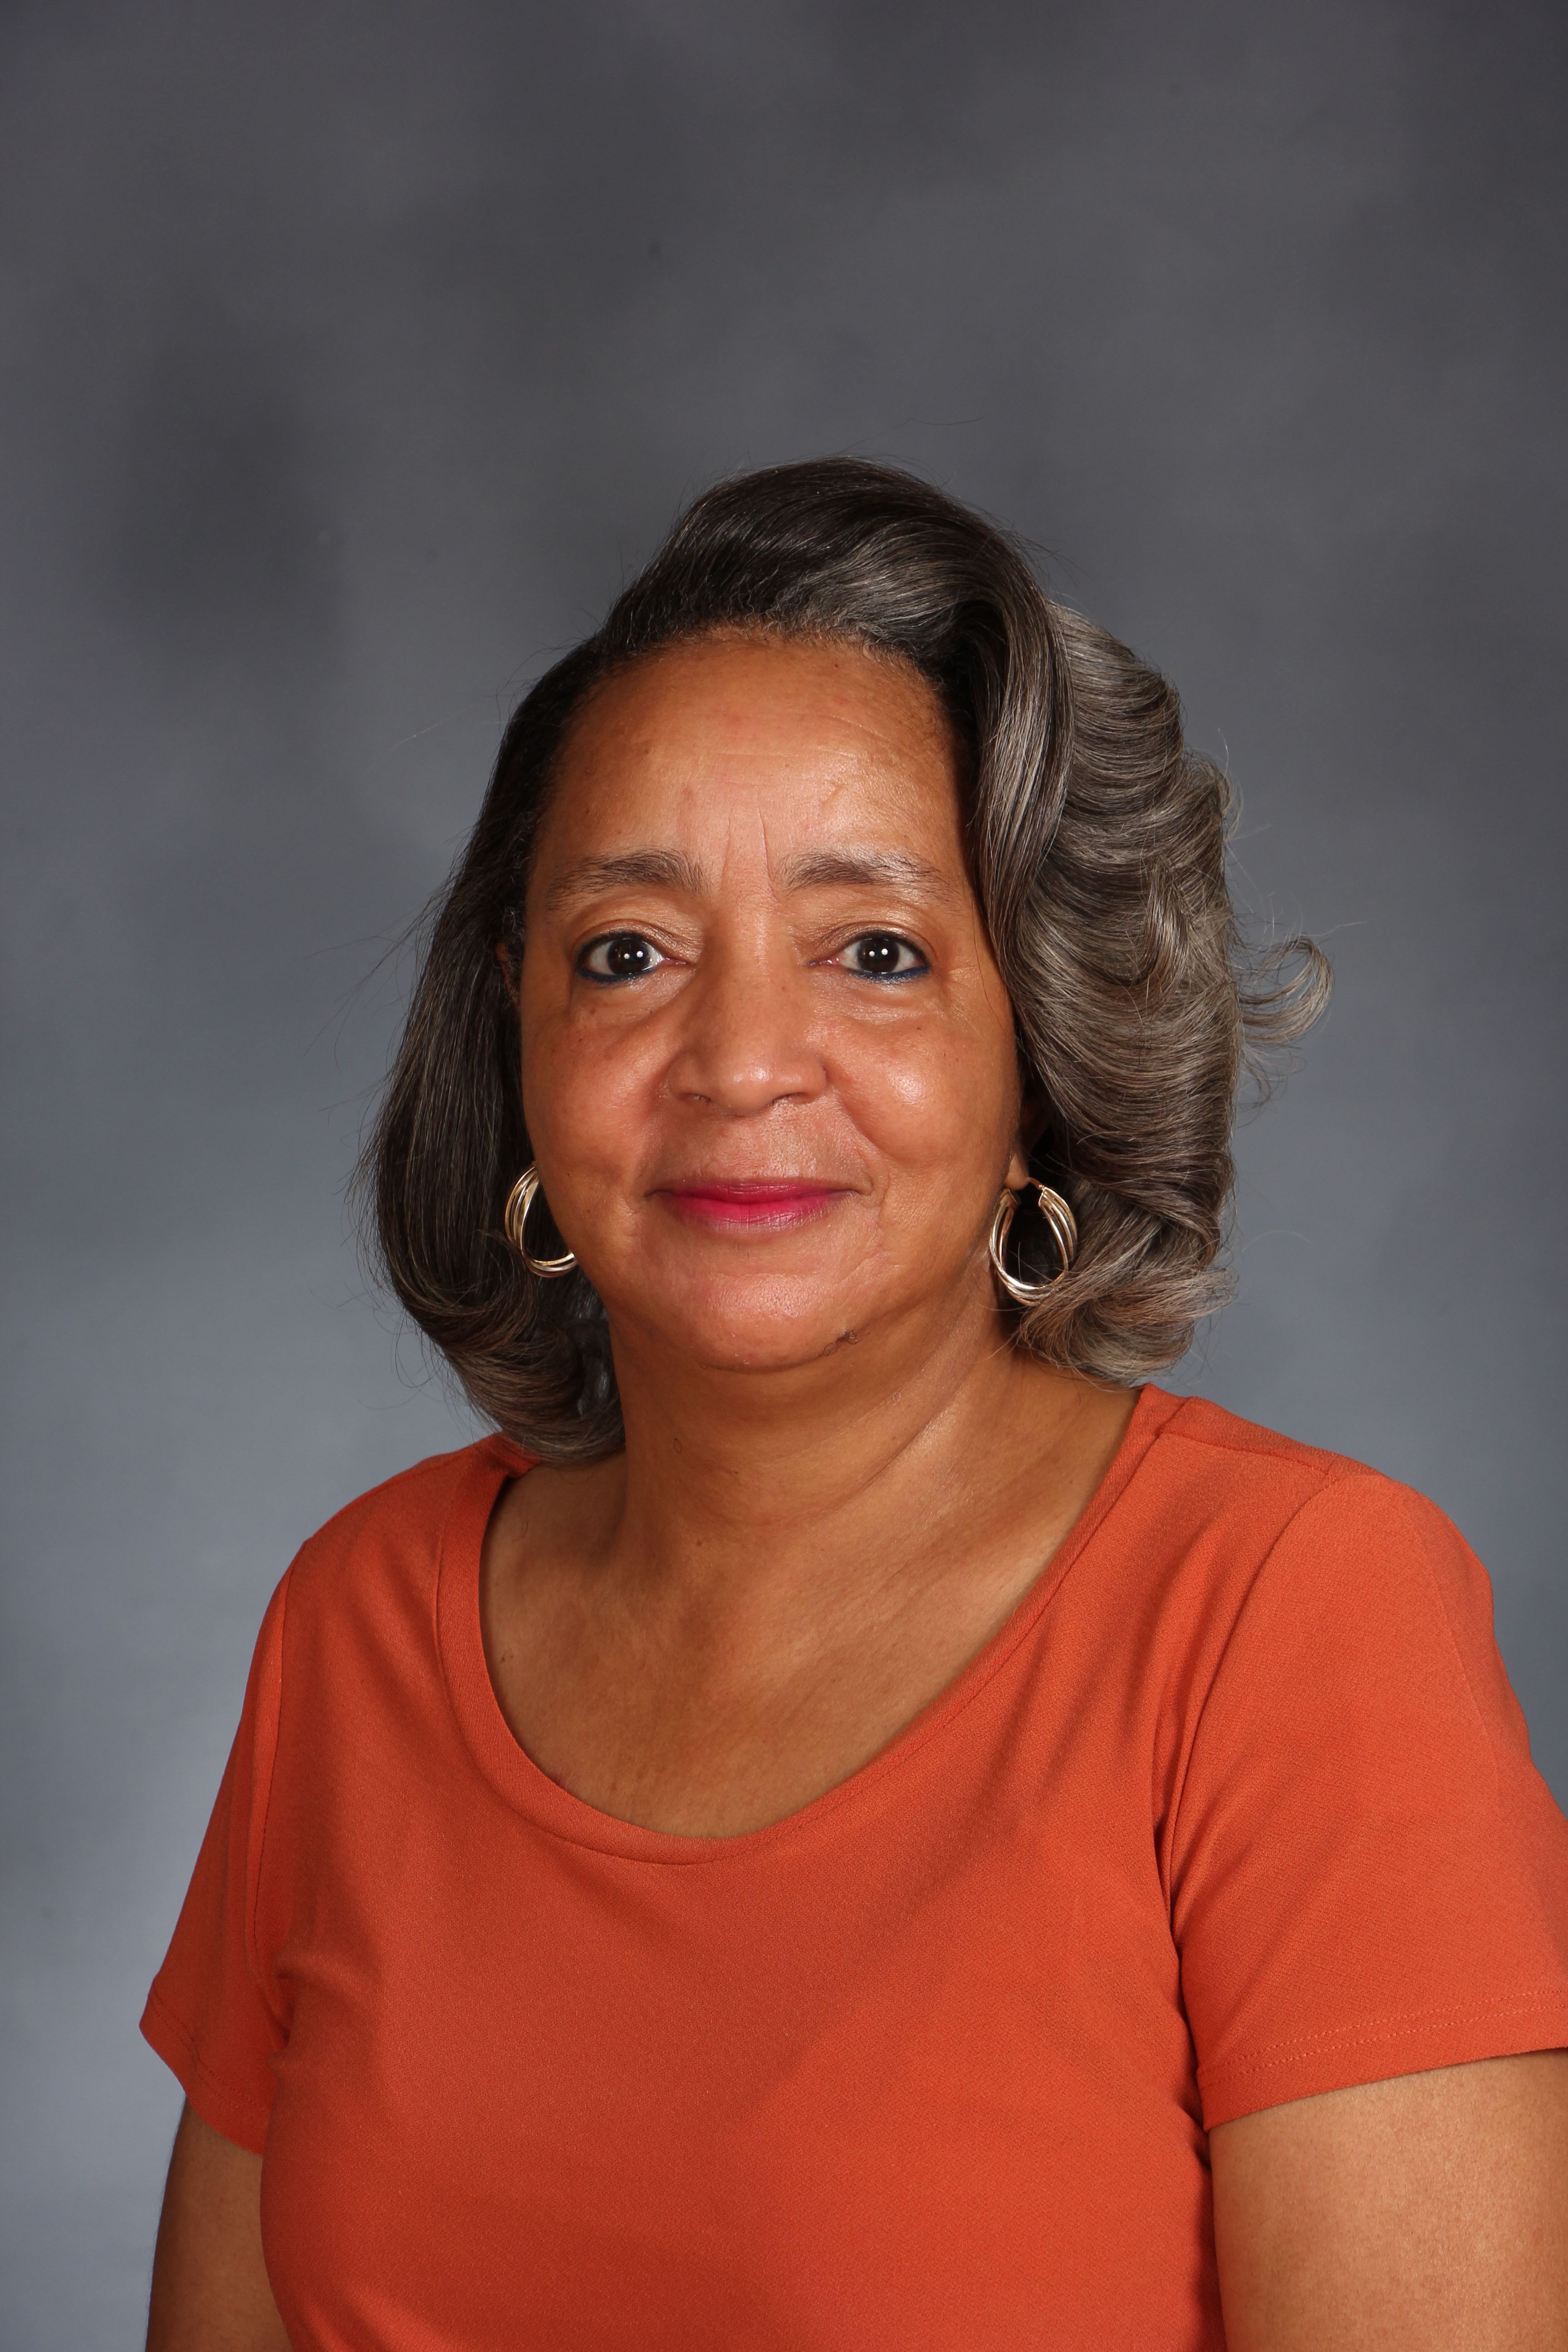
1553 1999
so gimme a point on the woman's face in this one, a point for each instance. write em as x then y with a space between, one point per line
768 1064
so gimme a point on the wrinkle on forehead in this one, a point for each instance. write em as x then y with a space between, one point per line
859 748
847 690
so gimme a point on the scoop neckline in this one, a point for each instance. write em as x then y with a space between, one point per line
527 1789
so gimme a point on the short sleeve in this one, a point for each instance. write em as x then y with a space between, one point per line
209 2014
1368 1875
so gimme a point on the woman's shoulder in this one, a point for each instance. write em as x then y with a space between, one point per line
1217 1458
1295 1535
1366 1876
1237 1505
385 1546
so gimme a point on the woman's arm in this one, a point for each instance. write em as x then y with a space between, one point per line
1429 2212
209 2282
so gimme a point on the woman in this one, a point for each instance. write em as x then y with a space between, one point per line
891 1832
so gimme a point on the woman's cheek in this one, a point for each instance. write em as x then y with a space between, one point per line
597 1090
908 1093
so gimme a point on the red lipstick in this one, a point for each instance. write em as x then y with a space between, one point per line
768 1205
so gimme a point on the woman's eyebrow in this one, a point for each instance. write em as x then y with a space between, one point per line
659 869
817 869
865 869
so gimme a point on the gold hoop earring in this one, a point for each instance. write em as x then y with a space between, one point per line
519 1201
1064 1233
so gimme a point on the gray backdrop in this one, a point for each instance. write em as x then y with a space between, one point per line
353 353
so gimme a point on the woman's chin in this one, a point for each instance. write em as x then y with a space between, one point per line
777 1351
730 1328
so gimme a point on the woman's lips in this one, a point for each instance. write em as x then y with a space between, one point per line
767 1205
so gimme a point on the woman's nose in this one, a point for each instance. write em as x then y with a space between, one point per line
748 1041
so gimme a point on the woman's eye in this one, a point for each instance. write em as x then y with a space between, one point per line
882 955
620 955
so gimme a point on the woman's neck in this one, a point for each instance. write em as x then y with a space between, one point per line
746 1489
709 1630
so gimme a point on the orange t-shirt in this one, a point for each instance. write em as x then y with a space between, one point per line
1238 1806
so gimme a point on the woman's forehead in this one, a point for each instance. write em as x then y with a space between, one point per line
824 743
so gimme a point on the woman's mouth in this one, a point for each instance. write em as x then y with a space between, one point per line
770 1204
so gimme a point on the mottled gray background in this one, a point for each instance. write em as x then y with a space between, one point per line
353 353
